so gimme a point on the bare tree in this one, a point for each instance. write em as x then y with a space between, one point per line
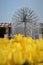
24 15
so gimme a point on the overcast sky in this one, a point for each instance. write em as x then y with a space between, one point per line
8 7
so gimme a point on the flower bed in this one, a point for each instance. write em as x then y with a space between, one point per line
21 51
